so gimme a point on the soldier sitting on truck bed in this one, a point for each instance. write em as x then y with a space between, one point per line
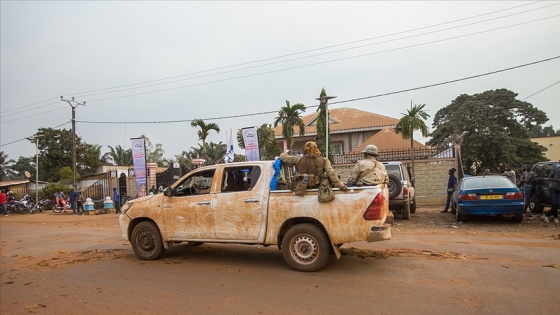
314 165
368 171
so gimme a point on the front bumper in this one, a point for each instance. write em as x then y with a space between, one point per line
124 221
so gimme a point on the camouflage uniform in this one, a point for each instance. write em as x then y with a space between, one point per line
377 175
315 166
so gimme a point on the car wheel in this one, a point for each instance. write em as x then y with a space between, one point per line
535 205
146 241
518 217
406 211
305 247
413 206
395 186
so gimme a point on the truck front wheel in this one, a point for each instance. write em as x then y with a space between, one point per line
305 247
146 241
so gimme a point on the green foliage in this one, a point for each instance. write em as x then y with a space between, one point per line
492 127
204 130
539 131
154 154
24 164
55 152
48 191
118 156
321 139
290 117
6 167
414 119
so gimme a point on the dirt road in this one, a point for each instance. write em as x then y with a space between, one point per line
64 264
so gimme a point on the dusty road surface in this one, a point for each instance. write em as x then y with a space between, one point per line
64 264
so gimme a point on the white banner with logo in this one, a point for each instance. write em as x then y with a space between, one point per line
139 160
251 141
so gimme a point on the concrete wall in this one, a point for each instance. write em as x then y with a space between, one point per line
431 179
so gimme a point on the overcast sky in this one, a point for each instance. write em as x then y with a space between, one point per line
225 62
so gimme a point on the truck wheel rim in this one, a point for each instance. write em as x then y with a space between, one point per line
304 249
145 241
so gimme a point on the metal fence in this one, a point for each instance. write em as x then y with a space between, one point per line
399 155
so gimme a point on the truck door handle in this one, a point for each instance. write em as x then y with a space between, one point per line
204 203
252 200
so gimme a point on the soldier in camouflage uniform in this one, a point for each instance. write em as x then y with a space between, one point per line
368 171
314 165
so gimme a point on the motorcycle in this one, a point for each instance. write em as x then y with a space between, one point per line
26 204
41 206
58 206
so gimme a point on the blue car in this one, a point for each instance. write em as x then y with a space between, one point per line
489 195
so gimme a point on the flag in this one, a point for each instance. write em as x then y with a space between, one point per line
229 150
251 144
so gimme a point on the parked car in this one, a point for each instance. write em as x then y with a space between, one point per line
540 196
489 195
401 189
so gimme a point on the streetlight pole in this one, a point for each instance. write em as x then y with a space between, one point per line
73 104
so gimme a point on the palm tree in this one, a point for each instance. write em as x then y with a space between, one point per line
413 120
204 131
5 165
289 117
118 156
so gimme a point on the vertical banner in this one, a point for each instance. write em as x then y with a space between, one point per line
251 141
229 150
139 160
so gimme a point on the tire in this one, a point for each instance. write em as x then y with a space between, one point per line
305 247
406 211
395 186
459 216
518 217
535 205
146 241
413 206
56 209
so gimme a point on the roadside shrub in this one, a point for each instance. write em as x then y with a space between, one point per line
48 191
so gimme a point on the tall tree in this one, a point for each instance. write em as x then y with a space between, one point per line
204 130
268 145
55 152
539 131
6 166
155 153
118 156
321 138
290 117
493 126
414 119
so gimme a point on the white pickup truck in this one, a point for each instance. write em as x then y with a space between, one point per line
234 203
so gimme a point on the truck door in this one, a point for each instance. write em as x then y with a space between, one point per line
188 213
240 206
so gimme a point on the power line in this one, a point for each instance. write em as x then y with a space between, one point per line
327 47
339 102
287 55
553 84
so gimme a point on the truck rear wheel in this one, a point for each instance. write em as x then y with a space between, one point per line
146 241
305 247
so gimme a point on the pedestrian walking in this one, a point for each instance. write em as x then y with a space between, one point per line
3 202
80 203
73 196
451 183
117 200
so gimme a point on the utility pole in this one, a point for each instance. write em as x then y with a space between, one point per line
73 104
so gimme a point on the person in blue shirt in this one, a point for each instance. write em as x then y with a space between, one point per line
73 195
451 183
117 200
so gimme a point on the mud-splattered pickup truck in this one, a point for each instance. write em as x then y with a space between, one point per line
234 203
